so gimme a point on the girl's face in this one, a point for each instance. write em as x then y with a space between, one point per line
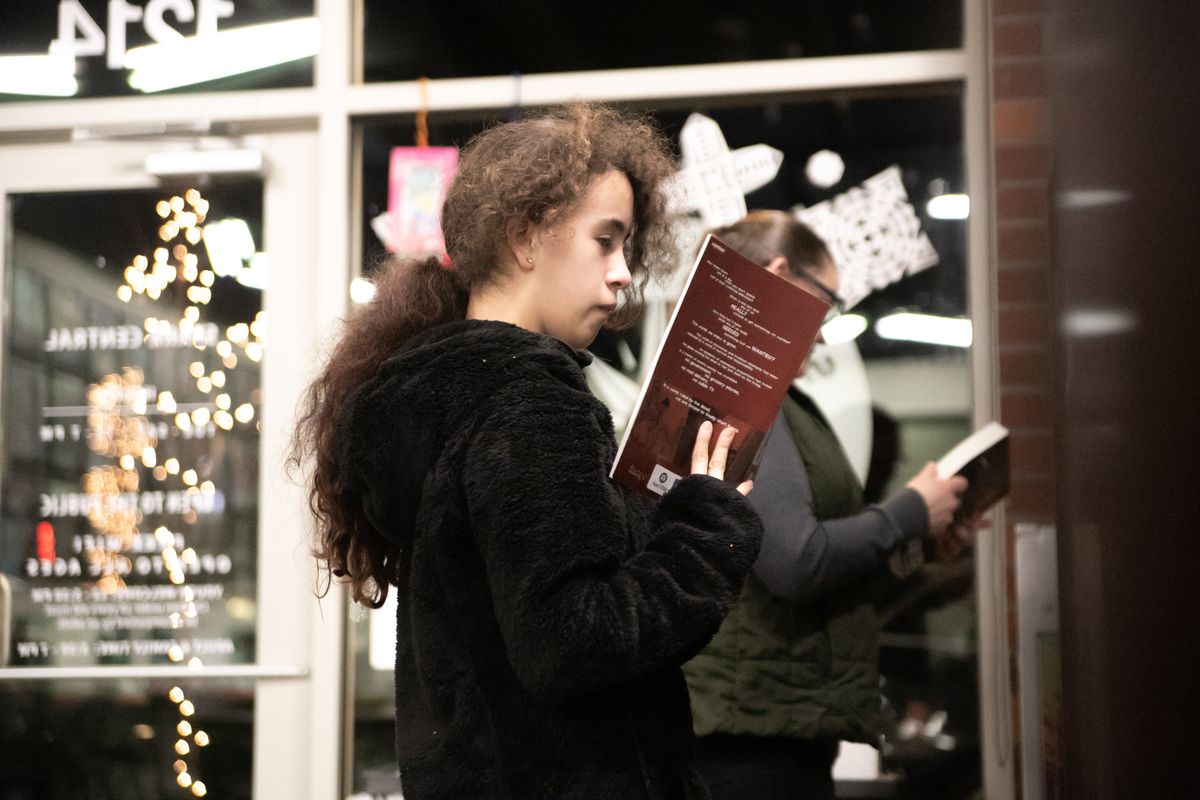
579 262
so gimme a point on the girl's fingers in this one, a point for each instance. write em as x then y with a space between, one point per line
700 450
745 487
720 454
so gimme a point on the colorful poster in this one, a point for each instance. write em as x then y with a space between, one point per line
418 178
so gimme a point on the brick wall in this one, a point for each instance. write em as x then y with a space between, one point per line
1021 130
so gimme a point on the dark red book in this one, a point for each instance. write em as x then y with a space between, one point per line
735 342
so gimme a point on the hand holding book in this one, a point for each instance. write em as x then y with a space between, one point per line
714 465
980 462
942 496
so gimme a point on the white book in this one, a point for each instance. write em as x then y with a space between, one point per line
981 458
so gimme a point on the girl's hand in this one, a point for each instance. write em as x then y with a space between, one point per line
714 465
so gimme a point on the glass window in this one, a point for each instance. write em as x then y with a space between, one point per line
912 404
68 739
94 48
404 41
130 452
129 486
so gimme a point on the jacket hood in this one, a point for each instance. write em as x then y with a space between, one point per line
396 426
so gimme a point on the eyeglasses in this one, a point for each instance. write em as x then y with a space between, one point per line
755 251
836 306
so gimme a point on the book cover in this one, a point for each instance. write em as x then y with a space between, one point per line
981 458
735 342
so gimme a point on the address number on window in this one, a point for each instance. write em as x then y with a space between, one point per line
79 35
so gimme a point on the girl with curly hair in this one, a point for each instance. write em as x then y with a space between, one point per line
460 460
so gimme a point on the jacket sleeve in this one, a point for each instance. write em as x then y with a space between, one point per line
581 607
803 559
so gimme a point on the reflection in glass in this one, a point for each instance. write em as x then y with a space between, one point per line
93 48
128 485
125 739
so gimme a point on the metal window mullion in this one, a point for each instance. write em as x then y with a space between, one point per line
334 94
653 83
151 672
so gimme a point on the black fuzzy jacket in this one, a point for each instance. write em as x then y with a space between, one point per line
545 611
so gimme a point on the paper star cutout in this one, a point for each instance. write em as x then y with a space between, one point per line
715 180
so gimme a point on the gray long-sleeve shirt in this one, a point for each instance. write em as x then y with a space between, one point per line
803 559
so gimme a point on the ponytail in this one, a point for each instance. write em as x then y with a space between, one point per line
411 296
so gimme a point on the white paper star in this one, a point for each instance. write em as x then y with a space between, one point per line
873 234
714 180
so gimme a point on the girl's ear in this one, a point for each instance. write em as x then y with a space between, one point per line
778 266
519 239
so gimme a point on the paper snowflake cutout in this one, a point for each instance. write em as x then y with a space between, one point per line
873 234
715 180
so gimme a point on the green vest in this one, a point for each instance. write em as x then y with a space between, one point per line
778 668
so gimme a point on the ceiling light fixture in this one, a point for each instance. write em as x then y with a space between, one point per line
925 328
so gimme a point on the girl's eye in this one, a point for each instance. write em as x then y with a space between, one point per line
606 243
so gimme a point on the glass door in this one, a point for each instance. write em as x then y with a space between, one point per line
150 549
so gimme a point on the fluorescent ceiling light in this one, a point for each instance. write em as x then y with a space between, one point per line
204 162
1086 322
1092 198
40 75
196 59
229 243
949 206
361 291
843 328
905 326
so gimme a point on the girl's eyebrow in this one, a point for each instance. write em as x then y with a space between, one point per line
613 222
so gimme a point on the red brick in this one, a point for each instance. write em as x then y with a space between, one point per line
1026 409
1026 367
1031 498
1019 120
1026 79
1017 38
1022 202
1027 285
1032 453
1017 325
1021 162
1022 242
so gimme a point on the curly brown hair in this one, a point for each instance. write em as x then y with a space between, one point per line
528 173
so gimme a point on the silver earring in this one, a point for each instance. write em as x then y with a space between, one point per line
529 259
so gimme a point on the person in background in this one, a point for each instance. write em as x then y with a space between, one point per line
794 667
460 460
